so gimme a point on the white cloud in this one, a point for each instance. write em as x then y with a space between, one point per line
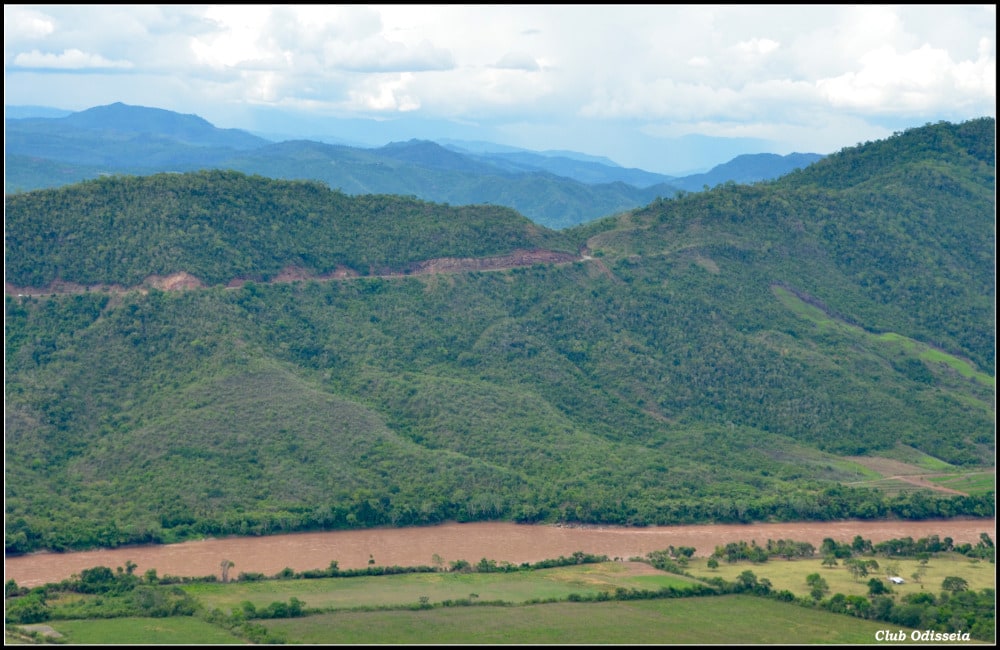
25 24
924 79
517 61
757 46
380 55
388 93
756 70
68 60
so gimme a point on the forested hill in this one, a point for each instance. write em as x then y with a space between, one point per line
223 226
751 352
894 232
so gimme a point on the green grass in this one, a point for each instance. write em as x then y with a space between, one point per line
791 574
714 620
384 609
851 466
907 454
132 631
970 483
408 589
891 486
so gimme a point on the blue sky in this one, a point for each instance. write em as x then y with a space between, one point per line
669 88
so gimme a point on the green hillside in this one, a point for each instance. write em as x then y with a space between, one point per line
220 226
709 358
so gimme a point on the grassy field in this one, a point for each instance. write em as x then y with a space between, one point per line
791 574
973 483
408 589
889 471
716 620
179 630
535 607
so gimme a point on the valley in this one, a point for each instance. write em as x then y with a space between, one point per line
737 355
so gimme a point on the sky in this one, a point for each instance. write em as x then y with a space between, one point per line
665 88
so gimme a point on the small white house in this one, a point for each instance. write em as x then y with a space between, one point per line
896 580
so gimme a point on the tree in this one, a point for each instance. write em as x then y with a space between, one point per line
29 609
857 569
747 580
713 563
876 587
829 560
818 584
860 544
226 565
954 584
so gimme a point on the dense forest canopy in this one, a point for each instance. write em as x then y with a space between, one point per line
219 225
717 356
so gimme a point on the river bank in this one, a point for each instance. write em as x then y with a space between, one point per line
446 543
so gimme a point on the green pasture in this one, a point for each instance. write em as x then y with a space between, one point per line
411 588
536 608
970 483
909 455
177 630
715 620
791 574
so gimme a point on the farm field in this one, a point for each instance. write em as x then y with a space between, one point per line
748 620
542 606
715 620
409 589
178 630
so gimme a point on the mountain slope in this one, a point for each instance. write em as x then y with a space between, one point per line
717 357
223 226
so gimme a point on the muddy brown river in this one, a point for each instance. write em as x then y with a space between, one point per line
472 542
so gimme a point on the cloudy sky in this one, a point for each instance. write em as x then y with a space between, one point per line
641 85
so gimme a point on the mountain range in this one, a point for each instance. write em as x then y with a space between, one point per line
221 353
554 189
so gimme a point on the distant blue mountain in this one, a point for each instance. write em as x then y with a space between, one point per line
189 129
556 189
19 112
433 156
748 168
